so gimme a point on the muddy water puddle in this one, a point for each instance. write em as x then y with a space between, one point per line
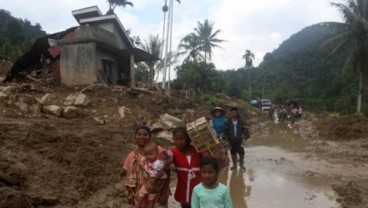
278 175
273 180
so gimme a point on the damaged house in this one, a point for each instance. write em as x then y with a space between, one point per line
98 50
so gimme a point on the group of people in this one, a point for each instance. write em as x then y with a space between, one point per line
289 112
148 168
232 131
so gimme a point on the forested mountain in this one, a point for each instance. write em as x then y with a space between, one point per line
15 35
299 69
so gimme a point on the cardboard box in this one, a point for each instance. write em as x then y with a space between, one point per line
205 141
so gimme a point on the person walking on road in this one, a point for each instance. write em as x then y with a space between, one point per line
218 121
236 132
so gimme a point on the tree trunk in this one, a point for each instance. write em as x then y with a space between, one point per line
360 88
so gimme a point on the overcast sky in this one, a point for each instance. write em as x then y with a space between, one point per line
257 25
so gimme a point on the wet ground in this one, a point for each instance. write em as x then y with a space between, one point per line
279 174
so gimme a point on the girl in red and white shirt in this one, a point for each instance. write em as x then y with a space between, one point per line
187 162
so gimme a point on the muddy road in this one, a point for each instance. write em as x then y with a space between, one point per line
285 170
276 175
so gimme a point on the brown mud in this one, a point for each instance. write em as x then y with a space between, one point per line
49 161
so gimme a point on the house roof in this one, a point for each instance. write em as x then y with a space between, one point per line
87 12
139 55
109 18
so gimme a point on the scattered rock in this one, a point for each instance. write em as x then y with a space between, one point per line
47 98
100 121
70 99
169 122
82 100
122 111
53 109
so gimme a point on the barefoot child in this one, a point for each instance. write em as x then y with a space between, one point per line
157 176
186 161
210 193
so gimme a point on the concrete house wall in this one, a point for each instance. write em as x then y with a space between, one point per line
99 50
78 64
85 54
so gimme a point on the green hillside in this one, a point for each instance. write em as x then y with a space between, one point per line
299 69
16 35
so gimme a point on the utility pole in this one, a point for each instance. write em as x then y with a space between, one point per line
168 42
166 46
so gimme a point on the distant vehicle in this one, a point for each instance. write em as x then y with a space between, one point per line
254 103
265 104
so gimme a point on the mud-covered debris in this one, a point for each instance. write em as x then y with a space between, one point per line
122 110
168 121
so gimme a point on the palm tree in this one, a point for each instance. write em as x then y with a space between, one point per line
355 13
114 3
208 38
154 47
191 45
248 56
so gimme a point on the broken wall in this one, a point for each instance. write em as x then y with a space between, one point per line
78 64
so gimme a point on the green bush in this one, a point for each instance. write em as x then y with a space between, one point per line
203 99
